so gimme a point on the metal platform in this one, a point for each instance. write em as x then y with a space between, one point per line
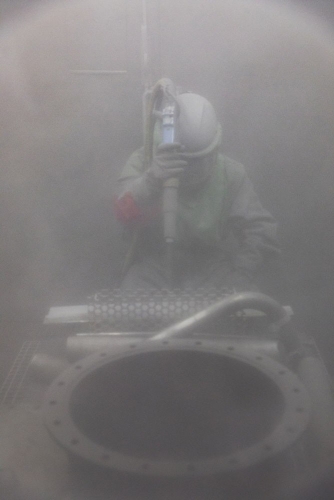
18 386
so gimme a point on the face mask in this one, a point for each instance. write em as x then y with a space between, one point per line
197 171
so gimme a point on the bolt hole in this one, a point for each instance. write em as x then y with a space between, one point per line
57 422
282 372
53 402
78 367
296 390
165 342
230 348
198 342
300 410
259 358
132 346
61 383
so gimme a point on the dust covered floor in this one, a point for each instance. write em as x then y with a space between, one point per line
32 467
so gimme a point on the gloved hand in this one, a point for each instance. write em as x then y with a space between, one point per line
167 162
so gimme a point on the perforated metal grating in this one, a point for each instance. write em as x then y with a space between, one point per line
18 386
15 386
143 310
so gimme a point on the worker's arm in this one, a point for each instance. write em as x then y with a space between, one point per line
254 227
134 190
141 187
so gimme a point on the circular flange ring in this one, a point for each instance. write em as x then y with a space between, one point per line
293 422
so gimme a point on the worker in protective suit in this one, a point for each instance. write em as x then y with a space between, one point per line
224 235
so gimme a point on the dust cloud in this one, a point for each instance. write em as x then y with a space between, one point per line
65 132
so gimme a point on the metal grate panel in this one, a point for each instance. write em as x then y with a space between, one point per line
14 387
147 310
19 385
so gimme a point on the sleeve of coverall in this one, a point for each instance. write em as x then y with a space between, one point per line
253 226
136 191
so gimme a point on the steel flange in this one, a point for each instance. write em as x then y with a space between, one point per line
176 408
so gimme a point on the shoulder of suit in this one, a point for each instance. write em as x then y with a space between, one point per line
134 165
234 170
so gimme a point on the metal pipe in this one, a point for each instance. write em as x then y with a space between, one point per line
45 368
79 346
229 305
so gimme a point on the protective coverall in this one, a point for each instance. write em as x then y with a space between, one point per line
224 233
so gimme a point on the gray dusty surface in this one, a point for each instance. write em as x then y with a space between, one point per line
32 464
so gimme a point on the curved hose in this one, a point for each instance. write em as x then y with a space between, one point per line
227 306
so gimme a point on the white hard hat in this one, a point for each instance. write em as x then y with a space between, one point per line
198 128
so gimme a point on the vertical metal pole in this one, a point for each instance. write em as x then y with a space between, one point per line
146 69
